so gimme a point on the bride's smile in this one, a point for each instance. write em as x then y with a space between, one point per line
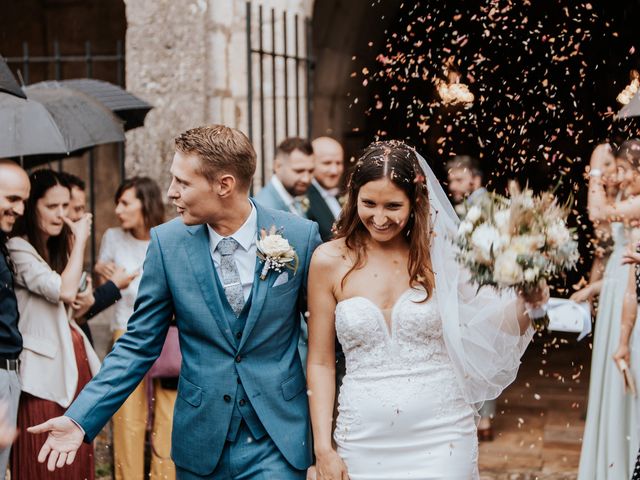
383 208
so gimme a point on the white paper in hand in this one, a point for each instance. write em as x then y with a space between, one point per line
568 316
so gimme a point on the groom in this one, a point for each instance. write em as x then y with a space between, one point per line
241 411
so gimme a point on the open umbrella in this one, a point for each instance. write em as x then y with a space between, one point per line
54 120
127 106
631 109
8 82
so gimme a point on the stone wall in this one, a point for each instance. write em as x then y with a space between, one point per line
189 59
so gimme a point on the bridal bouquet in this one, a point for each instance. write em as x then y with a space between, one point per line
516 242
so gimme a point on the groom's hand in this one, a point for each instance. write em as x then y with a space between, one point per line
63 442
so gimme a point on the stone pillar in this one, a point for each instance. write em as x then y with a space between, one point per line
166 64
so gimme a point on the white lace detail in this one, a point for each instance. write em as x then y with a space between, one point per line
392 367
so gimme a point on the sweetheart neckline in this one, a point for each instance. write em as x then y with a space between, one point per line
388 327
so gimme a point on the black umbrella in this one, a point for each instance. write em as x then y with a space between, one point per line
8 82
54 120
127 106
631 109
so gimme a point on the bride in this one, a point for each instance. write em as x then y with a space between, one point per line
422 346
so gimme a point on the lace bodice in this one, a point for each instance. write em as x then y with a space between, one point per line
414 339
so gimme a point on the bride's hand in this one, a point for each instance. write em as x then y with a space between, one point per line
330 466
536 297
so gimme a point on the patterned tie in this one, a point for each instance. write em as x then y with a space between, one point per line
297 205
230 275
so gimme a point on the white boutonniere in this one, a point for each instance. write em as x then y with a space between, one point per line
276 253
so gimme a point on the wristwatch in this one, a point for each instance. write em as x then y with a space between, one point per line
595 172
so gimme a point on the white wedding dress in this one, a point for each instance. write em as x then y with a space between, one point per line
401 413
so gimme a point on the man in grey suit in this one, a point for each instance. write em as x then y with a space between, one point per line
465 186
293 170
242 409
465 182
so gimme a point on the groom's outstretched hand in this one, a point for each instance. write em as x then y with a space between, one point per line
63 441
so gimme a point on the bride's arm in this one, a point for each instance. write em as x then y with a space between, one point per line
503 309
321 362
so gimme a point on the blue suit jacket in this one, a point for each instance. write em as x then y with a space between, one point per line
270 198
178 280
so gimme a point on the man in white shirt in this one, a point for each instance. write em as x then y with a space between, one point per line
293 170
324 207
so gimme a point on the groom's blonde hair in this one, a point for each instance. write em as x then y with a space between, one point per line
222 150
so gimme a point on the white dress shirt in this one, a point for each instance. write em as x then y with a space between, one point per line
245 254
331 201
286 197
123 249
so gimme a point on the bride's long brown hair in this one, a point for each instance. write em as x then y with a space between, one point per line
397 162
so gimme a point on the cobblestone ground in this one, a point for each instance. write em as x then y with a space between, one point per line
538 425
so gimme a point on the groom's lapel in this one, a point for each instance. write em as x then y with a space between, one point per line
202 264
260 287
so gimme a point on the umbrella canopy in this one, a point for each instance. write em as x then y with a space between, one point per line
54 120
127 106
631 109
8 82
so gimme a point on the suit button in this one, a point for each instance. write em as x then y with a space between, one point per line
238 359
227 398
242 402
239 335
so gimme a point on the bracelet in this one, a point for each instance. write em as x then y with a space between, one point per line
595 173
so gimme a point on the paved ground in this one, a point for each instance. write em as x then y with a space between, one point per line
540 417
539 420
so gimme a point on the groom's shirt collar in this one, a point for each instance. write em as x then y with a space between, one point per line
245 235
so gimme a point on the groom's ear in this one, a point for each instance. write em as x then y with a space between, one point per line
226 184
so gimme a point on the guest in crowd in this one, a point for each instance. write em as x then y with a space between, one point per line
14 191
465 179
96 300
602 240
465 183
629 342
293 171
324 206
610 443
139 208
57 360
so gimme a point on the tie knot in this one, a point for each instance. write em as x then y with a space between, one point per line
227 246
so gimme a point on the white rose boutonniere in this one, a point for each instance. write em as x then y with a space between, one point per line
276 253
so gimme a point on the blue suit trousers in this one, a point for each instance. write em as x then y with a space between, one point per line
249 459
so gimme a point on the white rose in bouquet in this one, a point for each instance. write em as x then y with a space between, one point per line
485 240
502 219
474 214
465 228
558 234
527 244
507 271
531 274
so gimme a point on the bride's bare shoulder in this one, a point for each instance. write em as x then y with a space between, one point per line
331 254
